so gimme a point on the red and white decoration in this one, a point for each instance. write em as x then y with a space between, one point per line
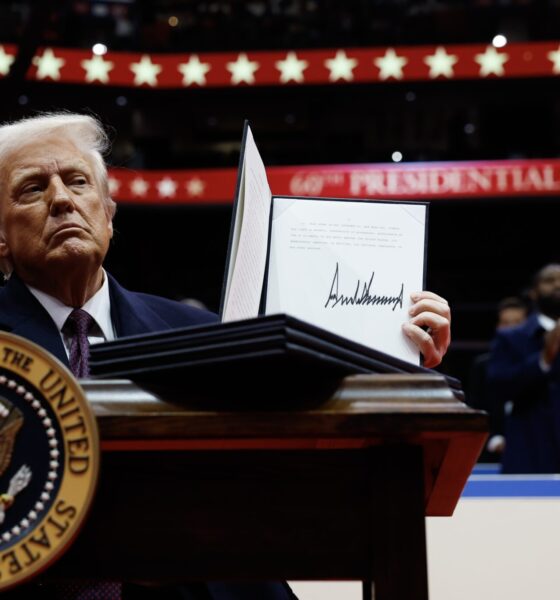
291 67
420 181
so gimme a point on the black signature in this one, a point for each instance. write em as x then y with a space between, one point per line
365 298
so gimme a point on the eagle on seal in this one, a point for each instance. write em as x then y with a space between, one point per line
11 421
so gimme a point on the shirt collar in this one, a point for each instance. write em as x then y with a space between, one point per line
98 306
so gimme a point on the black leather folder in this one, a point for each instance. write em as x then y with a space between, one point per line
265 356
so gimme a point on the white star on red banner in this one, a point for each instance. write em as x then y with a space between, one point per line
341 66
554 56
48 65
195 187
441 63
97 69
145 71
491 62
291 68
301 67
6 61
114 185
139 186
242 70
194 71
391 64
166 187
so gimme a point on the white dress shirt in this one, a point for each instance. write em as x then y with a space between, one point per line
547 324
98 306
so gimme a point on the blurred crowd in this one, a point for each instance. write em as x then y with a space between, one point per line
518 381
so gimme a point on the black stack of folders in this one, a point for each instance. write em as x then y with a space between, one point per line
275 358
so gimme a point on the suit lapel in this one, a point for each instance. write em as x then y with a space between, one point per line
22 314
130 315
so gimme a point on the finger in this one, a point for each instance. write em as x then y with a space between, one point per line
416 296
439 329
425 343
431 306
430 319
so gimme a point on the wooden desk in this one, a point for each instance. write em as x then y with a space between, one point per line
338 491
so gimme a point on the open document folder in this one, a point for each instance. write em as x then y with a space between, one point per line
342 269
348 266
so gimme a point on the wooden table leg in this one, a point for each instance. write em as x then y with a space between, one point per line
399 570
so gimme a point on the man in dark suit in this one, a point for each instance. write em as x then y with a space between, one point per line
524 373
131 314
55 230
512 311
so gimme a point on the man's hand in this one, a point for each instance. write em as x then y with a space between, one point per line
551 345
432 312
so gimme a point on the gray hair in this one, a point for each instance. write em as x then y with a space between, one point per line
85 132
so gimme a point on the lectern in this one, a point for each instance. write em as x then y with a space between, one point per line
337 490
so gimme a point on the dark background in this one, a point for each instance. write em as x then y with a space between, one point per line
480 250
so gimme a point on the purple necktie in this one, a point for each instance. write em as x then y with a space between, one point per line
79 322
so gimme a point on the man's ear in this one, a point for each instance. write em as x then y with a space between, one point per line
110 226
6 266
4 250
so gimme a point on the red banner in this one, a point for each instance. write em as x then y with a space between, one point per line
290 67
420 181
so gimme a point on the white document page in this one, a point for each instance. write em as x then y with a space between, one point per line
348 267
250 240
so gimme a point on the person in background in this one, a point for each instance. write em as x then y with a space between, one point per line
524 373
512 311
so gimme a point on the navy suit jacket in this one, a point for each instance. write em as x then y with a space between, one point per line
132 313
532 429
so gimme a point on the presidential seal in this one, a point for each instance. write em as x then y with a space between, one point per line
49 459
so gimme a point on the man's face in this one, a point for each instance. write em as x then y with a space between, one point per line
511 316
52 213
547 291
